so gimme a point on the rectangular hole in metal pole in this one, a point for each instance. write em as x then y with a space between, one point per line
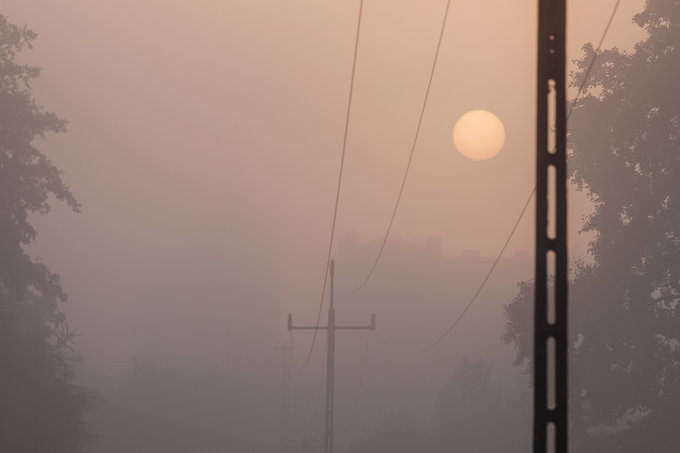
552 117
550 438
552 202
551 263
551 396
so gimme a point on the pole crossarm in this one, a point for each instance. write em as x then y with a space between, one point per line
370 326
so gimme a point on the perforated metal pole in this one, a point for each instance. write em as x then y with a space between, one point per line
550 310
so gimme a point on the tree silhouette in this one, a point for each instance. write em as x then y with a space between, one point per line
472 406
41 409
625 330
401 433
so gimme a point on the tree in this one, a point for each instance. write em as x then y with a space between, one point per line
400 433
474 414
41 409
625 331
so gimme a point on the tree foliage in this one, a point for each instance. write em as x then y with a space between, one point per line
41 409
625 330
400 433
475 414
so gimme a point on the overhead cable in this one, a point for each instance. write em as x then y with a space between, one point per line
514 228
410 158
337 194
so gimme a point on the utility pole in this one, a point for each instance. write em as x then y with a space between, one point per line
330 359
550 310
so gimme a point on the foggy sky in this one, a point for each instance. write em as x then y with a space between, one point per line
204 141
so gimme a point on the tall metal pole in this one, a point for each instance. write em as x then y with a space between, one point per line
330 359
550 310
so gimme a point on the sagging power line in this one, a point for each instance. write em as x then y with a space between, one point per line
410 158
533 191
337 193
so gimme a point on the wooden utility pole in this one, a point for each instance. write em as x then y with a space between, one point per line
550 310
330 359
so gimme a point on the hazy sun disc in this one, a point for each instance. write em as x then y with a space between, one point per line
479 135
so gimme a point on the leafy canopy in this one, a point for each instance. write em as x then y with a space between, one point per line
625 330
41 410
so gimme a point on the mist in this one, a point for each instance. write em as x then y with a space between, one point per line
203 143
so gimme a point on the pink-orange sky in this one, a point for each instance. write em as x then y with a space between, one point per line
192 123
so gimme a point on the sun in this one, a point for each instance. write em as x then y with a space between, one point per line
479 135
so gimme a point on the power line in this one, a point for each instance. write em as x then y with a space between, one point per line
514 228
337 194
592 61
488 274
413 147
